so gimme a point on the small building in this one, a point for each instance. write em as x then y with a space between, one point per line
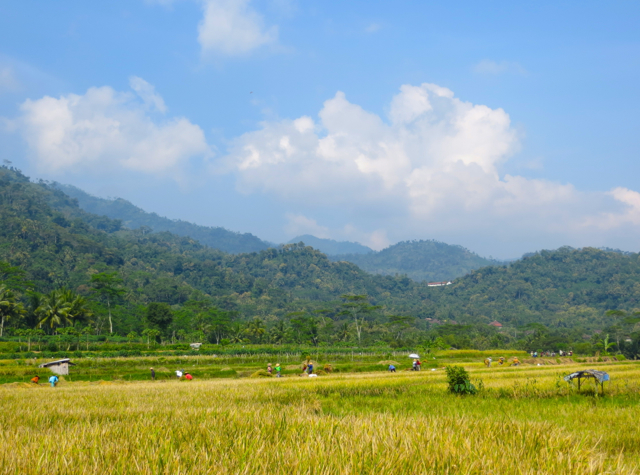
195 346
496 324
60 367
438 284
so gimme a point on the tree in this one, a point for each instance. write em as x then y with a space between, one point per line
220 321
14 277
278 332
358 307
60 308
398 324
256 329
625 320
9 308
107 287
159 316
150 333
132 336
88 330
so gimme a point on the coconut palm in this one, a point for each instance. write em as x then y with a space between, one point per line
60 308
8 306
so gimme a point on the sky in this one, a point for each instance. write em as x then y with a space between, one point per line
504 127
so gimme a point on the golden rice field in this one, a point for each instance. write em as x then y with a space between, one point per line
525 421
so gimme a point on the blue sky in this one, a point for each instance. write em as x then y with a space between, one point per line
502 126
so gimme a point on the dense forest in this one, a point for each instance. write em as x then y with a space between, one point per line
133 217
64 268
330 246
419 260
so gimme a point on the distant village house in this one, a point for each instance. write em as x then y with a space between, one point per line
438 284
496 324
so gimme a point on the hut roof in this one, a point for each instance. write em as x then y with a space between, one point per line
55 363
601 376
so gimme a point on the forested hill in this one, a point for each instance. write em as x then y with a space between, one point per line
65 246
562 288
419 260
330 246
45 233
133 217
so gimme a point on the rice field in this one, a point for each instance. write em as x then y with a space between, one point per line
526 420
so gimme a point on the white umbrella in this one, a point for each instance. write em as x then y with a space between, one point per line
413 355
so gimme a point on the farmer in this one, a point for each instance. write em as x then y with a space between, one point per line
278 369
188 377
153 374
310 367
487 362
418 365
179 373
516 361
35 379
501 361
304 368
269 369
53 380
392 369
414 366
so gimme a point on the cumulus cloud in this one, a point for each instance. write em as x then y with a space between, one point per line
494 68
104 130
431 167
232 27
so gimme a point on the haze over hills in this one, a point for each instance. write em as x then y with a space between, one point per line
419 260
331 247
133 217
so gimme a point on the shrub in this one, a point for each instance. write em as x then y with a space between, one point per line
620 357
458 380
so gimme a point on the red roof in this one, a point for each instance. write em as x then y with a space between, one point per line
496 324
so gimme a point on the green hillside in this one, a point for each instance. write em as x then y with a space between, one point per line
133 217
419 260
332 247
293 294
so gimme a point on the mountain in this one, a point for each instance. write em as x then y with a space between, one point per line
331 247
419 260
133 217
557 296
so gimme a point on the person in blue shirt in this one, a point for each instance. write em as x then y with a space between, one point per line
53 380
310 367
392 369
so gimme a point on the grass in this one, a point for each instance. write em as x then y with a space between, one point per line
526 420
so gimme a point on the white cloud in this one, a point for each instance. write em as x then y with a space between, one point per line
299 224
8 80
147 93
494 68
105 130
431 170
232 27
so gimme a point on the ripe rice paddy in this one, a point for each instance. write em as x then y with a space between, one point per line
526 420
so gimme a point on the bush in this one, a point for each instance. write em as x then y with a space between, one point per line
621 357
458 380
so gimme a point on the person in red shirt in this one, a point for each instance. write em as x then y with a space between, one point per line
188 377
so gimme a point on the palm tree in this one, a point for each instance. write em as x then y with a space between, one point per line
8 306
256 329
60 308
